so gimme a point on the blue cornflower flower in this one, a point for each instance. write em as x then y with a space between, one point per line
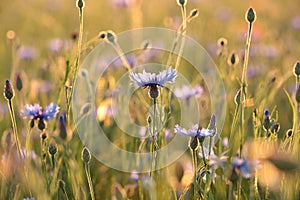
36 112
31 111
194 131
152 80
146 79
186 92
242 166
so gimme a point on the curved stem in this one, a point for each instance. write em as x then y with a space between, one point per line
88 175
79 46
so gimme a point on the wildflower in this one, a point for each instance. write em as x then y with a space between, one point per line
35 112
186 92
152 81
194 131
26 53
241 165
215 161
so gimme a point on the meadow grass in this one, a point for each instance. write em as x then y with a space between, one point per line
254 156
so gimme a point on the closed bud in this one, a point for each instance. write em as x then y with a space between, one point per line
297 69
194 13
237 97
111 37
233 59
102 35
52 148
289 133
267 123
222 42
149 119
250 15
80 4
42 124
8 91
194 143
181 2
43 136
19 82
86 155
31 123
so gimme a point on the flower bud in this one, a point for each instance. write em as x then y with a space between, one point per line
194 13
289 133
233 59
102 35
42 124
297 69
222 42
111 37
19 82
80 4
86 155
275 127
194 143
52 148
9 92
181 2
250 15
237 98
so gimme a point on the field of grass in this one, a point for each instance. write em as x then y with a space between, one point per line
214 115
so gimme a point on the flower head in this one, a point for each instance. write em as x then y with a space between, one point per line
194 131
242 166
36 112
186 92
146 79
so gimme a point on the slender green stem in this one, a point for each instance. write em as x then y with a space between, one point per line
244 88
153 142
28 137
76 67
88 175
53 161
14 126
203 154
183 12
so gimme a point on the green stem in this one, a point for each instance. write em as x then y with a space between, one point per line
14 126
153 142
244 88
203 154
183 33
28 137
88 175
53 161
79 46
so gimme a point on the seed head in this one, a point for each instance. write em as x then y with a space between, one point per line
52 148
250 15
86 155
8 92
297 69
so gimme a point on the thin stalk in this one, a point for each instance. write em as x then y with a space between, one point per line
27 145
203 154
153 142
120 53
76 67
183 33
244 86
14 126
88 175
195 167
296 121
53 161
